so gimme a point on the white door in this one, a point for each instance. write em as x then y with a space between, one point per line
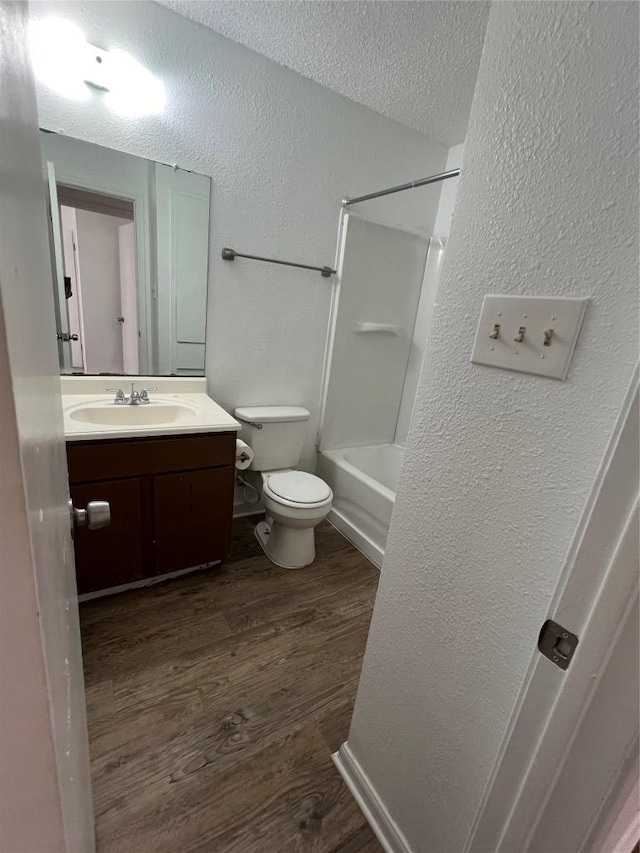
604 740
128 299
63 330
45 791
572 730
182 215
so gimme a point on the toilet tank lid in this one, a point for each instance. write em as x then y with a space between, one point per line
271 414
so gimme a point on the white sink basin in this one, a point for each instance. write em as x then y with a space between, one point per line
149 413
179 405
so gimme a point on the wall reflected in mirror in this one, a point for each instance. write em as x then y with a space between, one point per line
129 246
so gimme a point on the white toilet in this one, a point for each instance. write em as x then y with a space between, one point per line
295 501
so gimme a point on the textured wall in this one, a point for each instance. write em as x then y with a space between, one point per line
499 464
282 152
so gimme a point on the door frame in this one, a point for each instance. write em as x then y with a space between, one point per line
592 598
57 260
130 333
70 232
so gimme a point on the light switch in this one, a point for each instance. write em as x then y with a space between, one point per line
529 333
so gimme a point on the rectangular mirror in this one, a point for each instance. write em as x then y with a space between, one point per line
130 254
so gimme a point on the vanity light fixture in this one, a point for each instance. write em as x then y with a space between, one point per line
58 53
68 64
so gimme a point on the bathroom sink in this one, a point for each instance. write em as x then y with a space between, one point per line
151 413
178 406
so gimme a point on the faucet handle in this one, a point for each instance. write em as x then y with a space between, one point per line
120 397
144 394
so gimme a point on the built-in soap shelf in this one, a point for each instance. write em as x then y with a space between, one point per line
379 328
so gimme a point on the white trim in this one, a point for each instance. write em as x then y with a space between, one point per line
57 255
366 546
612 816
630 837
589 603
623 835
246 510
614 600
385 828
125 587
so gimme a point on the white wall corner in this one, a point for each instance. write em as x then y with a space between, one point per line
369 802
448 194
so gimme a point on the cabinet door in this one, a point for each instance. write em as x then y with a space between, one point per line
112 555
192 518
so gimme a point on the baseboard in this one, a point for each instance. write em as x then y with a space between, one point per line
125 587
244 510
371 551
370 804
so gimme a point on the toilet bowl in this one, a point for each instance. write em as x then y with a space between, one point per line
295 501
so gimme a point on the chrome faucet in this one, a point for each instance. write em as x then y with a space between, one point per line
136 398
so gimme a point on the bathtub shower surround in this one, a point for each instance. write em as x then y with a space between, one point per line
372 370
381 269
385 302
364 481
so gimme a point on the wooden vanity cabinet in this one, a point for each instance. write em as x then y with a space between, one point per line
192 517
171 505
113 555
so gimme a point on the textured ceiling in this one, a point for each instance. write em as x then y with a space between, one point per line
415 62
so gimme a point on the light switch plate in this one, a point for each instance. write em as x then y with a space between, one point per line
512 329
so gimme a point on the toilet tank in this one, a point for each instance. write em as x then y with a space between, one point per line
276 435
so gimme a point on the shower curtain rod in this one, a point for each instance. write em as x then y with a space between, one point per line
421 182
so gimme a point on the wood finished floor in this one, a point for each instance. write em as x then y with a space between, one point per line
215 701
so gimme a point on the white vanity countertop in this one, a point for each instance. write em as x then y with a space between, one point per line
179 406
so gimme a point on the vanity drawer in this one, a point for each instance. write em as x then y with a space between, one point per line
90 461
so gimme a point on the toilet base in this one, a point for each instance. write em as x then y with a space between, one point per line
287 547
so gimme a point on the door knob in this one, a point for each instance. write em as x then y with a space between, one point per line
66 337
96 515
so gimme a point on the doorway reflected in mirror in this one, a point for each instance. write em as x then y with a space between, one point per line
129 246
98 244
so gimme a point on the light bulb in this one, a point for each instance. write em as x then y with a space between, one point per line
64 60
133 90
58 50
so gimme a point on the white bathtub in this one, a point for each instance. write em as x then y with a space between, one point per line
364 482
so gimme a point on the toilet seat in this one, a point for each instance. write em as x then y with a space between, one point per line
298 489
